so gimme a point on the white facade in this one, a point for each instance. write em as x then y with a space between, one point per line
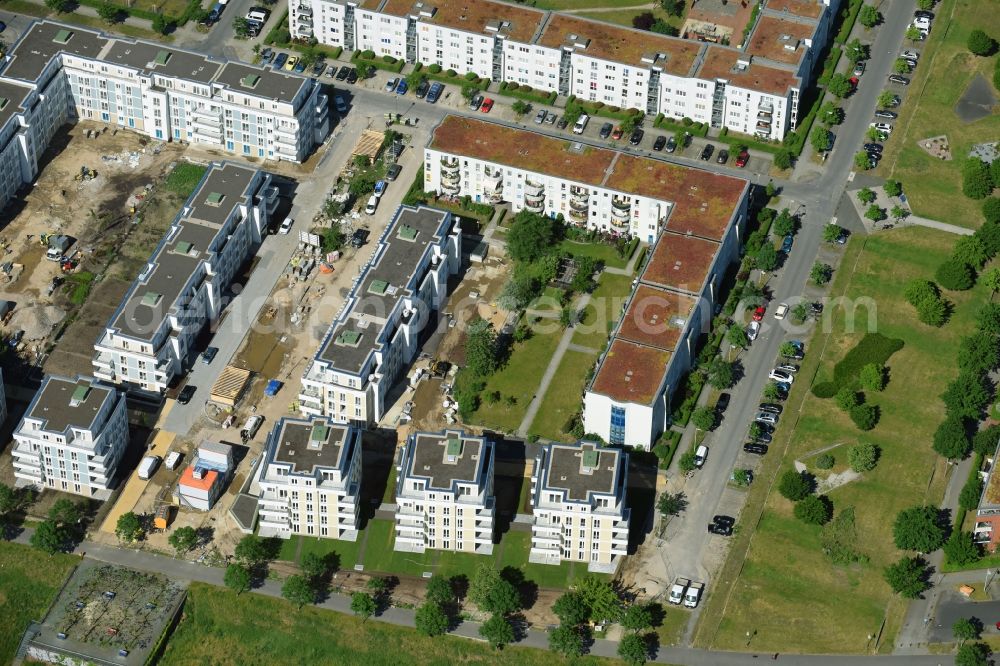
72 437
578 506
377 333
310 479
444 493
148 339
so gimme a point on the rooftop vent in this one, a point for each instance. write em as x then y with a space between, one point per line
63 36
453 449
349 338
80 394
214 198
183 247
250 81
407 233
3 102
163 57
589 461
378 287
318 435
151 299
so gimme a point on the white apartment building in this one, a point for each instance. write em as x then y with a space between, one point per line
71 437
149 339
58 73
378 331
309 480
444 493
578 506
3 400
593 60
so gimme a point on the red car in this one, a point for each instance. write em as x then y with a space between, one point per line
854 82
742 159
487 105
617 134
758 314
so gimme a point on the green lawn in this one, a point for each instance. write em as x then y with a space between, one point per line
184 177
946 68
564 397
346 550
599 251
626 16
219 627
581 4
29 582
519 378
604 310
787 591
389 496
671 631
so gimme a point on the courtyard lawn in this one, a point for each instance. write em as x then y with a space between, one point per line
220 627
603 312
934 186
574 5
786 589
29 582
347 551
626 16
599 251
519 378
564 397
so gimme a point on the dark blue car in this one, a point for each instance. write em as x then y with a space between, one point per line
786 244
401 87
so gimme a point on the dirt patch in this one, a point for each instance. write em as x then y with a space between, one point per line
977 101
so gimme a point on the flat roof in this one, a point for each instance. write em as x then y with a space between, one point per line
356 334
631 372
446 457
12 98
159 59
619 44
207 480
805 8
149 301
680 262
43 40
62 403
568 470
309 445
780 39
518 22
261 81
722 62
704 202
656 317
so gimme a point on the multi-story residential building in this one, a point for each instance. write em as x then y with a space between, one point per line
592 60
444 493
385 317
72 437
150 336
309 480
578 506
58 73
3 400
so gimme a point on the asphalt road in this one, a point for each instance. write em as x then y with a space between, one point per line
952 607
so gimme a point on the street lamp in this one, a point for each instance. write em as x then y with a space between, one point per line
750 635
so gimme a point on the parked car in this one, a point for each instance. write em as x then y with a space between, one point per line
659 143
671 145
758 449
700 455
753 330
318 68
890 115
487 105
797 355
475 102
435 92
885 128
352 75
617 133
342 73
859 68
706 152
782 308
910 55
3 26
766 417
393 172
300 67
924 14
873 148
550 118
422 88
788 367
391 84
723 156
606 130
742 158
896 78
581 124
747 472
721 529
781 376
291 63
286 226
562 123
280 60
636 138
786 244
758 314
770 407
762 438
340 104
209 354
402 87
540 116
722 402
184 397
784 387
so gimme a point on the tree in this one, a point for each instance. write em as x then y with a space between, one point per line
886 99
856 51
662 27
687 462
737 336
901 66
869 16
991 279
783 159
643 21
502 599
918 528
988 318
571 609
251 551
862 161
784 223
961 548
364 606
991 210
970 250
985 441
875 213
866 195
820 138
162 25
899 213
741 477
673 7
520 107
795 485
981 44
913 33
863 457
955 275
430 620
632 649
893 188
772 391
907 577
917 291
10 501
950 438
297 590
531 236
111 13
967 395
314 567
671 504
875 134
481 348
637 617
968 498
241 26
767 257
439 591
788 349
129 527
703 418
601 597
933 312
978 353
977 182
872 377
839 86
61 6
973 654
518 291
831 232
48 537
721 373
812 510
64 513
483 585
566 640
497 631
821 273
830 114
237 578
865 417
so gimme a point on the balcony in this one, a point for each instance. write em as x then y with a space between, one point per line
106 375
313 397
304 20
206 117
533 190
451 186
304 9
578 216
449 165
765 106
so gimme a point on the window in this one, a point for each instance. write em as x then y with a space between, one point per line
617 425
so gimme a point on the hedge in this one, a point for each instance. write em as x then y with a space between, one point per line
669 441
601 109
696 129
273 36
829 65
434 73
378 63
873 348
527 93
848 15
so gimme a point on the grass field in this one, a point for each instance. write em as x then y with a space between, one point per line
787 591
29 581
564 397
347 551
605 309
185 177
220 627
625 16
946 68
600 251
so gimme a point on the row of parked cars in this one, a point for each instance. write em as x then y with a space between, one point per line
428 91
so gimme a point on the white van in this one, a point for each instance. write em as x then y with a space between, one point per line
257 16
372 205
172 460
581 124
700 454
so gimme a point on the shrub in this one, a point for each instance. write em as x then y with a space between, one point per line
865 416
968 499
795 485
825 461
991 209
847 398
863 457
977 183
970 250
813 510
933 312
955 275
434 69
783 159
981 44
873 377
873 348
960 548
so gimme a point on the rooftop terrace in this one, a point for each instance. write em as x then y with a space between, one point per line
582 469
444 458
309 445
631 372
